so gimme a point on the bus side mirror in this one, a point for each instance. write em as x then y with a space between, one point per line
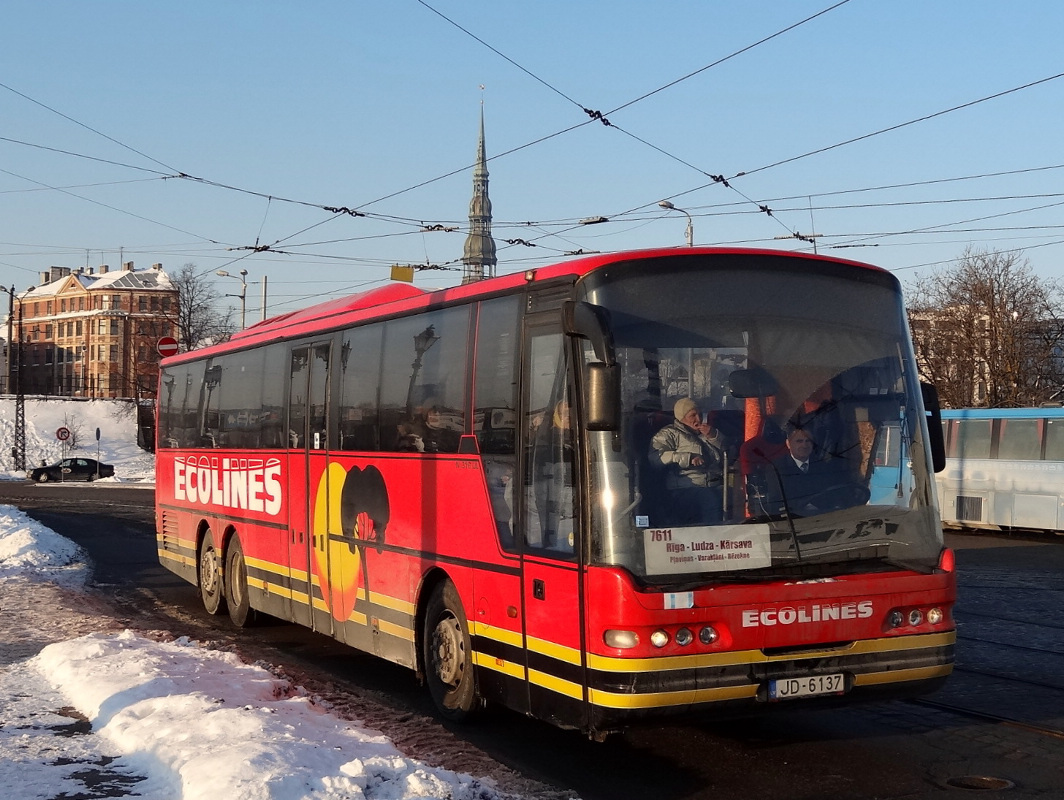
590 322
603 397
934 426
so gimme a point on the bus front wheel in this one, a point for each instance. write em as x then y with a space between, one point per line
236 585
447 653
210 575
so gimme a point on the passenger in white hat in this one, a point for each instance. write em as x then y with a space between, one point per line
694 468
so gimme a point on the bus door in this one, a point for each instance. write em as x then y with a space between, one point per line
309 499
549 528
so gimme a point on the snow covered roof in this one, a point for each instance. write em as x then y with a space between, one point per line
153 279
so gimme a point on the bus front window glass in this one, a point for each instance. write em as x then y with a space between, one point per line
760 434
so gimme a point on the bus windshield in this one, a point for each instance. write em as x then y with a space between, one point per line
771 423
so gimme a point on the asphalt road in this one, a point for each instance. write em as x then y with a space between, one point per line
998 723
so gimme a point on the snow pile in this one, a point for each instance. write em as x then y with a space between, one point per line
26 546
201 724
116 420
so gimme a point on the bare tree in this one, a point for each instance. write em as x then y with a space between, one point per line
199 322
988 332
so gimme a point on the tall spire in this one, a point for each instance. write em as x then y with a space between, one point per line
478 255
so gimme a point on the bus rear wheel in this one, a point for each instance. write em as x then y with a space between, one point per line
448 657
236 585
211 585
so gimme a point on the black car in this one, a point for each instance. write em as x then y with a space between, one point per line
72 469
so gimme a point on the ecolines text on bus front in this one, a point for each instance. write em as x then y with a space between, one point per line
251 484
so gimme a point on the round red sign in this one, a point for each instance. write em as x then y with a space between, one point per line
167 346
62 434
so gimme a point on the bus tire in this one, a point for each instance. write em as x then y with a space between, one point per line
448 655
236 585
211 584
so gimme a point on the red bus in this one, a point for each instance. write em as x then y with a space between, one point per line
495 485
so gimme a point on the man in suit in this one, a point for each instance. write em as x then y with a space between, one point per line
801 480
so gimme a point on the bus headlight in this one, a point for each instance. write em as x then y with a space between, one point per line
916 616
708 635
684 637
659 638
622 640
935 616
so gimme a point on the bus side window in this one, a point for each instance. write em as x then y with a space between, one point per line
495 405
360 370
550 510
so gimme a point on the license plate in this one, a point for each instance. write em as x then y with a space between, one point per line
806 686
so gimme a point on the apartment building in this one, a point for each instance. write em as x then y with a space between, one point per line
94 332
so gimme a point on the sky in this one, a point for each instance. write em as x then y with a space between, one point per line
154 713
898 133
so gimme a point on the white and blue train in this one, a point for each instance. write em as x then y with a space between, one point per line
1004 469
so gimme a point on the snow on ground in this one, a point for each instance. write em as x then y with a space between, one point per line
90 710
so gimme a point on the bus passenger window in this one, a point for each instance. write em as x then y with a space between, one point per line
550 503
495 405
1020 440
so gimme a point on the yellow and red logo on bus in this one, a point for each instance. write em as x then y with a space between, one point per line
351 512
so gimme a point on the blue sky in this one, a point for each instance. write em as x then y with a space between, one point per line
375 107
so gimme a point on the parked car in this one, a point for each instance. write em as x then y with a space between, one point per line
72 469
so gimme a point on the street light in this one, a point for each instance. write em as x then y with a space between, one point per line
690 232
242 277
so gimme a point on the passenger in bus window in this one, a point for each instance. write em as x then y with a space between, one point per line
437 435
693 467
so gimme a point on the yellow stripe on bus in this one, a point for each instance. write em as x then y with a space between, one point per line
504 635
180 559
902 675
556 684
606 699
510 668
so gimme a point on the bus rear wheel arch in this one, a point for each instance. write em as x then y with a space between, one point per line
211 574
447 654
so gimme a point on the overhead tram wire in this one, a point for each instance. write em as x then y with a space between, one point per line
727 181
604 117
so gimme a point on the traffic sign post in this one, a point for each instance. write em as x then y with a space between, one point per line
63 435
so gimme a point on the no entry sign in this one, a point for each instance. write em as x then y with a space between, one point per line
167 346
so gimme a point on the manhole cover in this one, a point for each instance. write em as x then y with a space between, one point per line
979 783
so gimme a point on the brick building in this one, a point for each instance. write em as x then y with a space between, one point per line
93 333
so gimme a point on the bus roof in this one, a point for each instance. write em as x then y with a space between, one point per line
398 298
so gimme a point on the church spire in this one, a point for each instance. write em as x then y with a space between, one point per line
478 255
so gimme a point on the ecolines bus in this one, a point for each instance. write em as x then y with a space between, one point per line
494 485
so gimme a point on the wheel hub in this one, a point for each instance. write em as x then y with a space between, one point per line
447 649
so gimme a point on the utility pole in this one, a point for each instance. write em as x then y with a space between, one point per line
14 357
